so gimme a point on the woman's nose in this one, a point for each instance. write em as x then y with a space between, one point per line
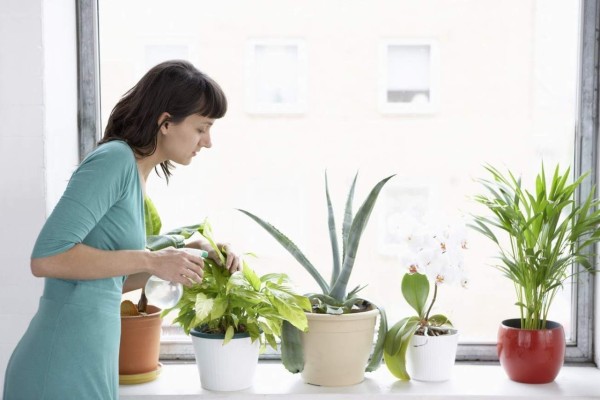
206 141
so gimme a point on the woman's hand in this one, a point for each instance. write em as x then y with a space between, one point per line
232 262
178 266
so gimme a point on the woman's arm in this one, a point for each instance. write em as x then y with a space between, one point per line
135 281
83 262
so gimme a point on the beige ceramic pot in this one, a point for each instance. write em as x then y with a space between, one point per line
140 344
337 348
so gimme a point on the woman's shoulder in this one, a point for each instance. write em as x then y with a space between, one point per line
115 152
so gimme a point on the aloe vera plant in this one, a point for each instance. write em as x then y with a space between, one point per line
335 298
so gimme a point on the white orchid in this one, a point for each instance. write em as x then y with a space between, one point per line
433 249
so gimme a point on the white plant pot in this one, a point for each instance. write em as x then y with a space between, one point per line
225 367
431 358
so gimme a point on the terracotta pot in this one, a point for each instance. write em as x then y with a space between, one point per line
337 347
531 356
140 342
225 367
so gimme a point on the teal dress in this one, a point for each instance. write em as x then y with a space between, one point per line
71 348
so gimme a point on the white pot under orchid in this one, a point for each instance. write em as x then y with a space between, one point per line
430 253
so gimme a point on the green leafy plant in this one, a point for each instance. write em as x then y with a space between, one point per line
547 230
334 299
229 303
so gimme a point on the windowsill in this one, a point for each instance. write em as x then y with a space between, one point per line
180 381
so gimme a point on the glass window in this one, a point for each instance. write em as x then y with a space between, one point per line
276 77
409 77
393 88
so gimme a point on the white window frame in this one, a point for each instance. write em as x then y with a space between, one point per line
432 106
253 107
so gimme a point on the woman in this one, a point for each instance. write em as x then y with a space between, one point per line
92 245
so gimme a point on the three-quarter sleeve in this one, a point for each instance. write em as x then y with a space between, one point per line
97 184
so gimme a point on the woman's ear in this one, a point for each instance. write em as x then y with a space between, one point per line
163 121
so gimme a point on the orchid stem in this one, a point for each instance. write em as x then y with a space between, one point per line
432 301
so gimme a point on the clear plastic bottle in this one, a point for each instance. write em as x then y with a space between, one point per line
166 294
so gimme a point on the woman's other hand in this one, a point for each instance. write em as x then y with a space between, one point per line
178 266
232 262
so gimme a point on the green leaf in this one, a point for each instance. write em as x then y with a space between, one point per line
159 242
219 307
396 344
203 306
439 320
294 315
151 217
186 231
228 335
251 277
415 289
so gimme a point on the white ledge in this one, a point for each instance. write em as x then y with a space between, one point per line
181 381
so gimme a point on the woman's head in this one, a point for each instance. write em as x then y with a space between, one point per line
168 93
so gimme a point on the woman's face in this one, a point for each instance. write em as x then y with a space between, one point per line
179 142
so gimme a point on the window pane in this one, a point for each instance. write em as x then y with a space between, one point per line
507 91
276 74
408 74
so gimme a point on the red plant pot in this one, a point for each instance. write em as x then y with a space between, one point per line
531 356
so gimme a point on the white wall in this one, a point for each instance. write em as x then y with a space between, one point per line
38 143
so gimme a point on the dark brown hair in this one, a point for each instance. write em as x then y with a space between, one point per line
175 87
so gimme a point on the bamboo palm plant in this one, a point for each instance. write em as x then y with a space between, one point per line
548 232
335 297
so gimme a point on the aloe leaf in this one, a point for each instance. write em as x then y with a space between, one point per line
335 251
415 289
292 351
378 351
358 225
348 217
292 249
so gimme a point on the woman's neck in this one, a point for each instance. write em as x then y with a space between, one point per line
145 166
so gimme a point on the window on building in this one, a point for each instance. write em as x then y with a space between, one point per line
409 77
276 76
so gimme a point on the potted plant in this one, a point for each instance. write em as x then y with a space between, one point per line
548 232
340 320
230 315
427 341
141 323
